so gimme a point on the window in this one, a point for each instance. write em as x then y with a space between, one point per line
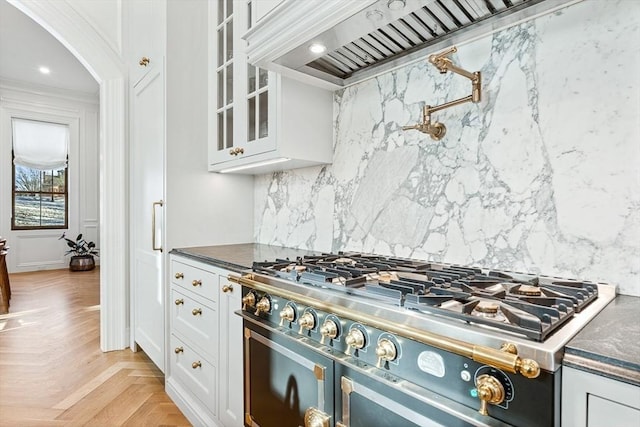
40 177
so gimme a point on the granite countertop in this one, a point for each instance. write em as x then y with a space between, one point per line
610 344
239 257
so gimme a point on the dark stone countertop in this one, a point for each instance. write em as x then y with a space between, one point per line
239 257
610 344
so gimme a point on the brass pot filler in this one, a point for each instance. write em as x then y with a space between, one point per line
437 130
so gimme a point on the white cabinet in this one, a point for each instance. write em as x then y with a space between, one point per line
147 192
260 121
205 354
596 401
147 22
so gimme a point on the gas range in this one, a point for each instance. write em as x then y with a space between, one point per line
472 335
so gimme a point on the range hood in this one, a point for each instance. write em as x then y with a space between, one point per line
364 38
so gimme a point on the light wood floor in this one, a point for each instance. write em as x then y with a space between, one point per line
52 371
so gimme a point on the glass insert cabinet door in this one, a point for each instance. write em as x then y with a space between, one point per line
243 124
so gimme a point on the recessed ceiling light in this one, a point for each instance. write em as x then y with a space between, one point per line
396 4
317 48
44 70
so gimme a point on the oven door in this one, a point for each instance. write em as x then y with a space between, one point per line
286 384
368 398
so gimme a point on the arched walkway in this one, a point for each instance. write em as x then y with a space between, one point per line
106 66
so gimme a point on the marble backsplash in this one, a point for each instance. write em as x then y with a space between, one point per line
543 175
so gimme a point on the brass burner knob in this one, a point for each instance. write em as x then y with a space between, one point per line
329 329
307 321
288 314
386 351
264 305
314 417
354 339
249 300
490 390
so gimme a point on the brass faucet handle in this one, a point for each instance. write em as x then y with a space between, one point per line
412 127
442 56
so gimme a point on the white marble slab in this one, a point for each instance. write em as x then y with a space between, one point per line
543 175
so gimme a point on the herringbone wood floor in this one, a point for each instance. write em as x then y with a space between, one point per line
52 371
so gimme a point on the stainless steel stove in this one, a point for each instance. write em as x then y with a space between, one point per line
440 344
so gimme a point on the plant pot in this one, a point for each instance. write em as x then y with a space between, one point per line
82 263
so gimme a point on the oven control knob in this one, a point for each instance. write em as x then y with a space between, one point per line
386 351
329 329
354 339
264 306
288 313
307 321
490 390
249 300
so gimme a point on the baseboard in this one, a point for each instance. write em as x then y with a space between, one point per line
193 412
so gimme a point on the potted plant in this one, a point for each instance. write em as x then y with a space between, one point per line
82 253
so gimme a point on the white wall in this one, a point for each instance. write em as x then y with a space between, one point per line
543 175
202 208
41 249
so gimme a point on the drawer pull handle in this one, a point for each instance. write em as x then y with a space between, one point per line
197 283
179 275
227 288
196 311
144 61
179 301
196 365
178 350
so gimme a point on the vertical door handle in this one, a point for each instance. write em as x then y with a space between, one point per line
153 226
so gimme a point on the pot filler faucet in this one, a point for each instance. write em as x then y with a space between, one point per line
437 130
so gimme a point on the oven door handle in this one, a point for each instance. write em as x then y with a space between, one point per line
501 359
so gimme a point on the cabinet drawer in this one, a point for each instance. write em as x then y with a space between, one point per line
195 373
194 279
195 321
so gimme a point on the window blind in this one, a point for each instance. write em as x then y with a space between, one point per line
40 145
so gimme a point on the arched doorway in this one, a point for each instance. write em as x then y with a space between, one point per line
106 66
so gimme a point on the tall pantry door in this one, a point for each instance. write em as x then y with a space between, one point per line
146 225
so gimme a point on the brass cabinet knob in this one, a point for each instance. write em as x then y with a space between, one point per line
196 311
288 313
227 288
354 339
248 300
179 301
178 350
264 305
196 365
179 275
329 329
236 151
144 61
197 283
386 351
307 321
490 390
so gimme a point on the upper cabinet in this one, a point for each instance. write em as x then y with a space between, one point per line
259 121
147 38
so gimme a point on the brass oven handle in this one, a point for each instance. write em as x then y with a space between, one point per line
153 226
503 360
